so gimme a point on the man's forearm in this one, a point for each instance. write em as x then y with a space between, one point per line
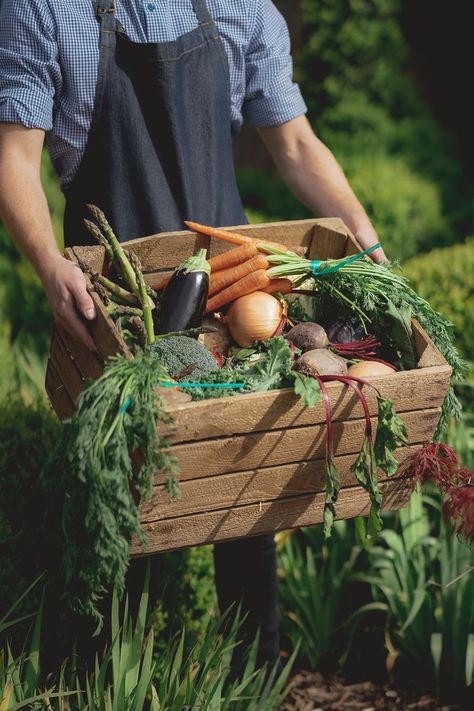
313 174
24 210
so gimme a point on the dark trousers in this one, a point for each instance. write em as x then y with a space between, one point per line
246 574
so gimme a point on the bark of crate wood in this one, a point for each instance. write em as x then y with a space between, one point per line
265 517
253 464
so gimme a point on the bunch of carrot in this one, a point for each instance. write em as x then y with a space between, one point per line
239 271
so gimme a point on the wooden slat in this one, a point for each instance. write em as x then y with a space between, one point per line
428 354
295 444
66 368
168 249
408 390
257 519
88 363
57 393
254 486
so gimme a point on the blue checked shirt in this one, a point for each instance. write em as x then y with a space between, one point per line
49 56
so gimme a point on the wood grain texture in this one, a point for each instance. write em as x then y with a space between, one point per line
168 249
57 393
66 368
89 364
257 519
295 444
277 409
428 354
254 486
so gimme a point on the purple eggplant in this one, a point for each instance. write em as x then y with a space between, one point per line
184 299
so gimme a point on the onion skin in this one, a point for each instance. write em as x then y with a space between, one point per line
370 369
254 317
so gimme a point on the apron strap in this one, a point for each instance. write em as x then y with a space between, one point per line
202 13
102 7
105 13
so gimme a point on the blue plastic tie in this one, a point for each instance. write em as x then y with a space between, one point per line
235 386
125 405
314 266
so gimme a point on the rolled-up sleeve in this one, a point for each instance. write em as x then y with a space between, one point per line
272 97
29 70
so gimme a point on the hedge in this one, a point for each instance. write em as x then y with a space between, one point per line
445 277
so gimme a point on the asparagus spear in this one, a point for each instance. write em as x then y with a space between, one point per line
121 310
122 294
120 260
144 299
97 234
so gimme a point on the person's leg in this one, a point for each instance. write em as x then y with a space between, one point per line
246 573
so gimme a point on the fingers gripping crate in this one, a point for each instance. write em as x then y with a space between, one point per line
252 464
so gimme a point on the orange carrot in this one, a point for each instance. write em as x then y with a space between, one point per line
284 286
222 261
226 277
162 284
233 257
232 237
255 281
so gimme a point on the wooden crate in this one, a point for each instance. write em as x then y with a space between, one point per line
254 463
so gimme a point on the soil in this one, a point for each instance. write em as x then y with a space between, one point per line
311 691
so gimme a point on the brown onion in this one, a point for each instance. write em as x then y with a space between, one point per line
370 369
254 317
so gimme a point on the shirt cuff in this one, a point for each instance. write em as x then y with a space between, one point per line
30 110
276 109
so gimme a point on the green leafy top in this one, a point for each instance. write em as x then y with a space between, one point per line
116 416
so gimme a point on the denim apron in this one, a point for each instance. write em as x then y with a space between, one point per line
159 152
160 144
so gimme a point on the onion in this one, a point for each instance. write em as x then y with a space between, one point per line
254 317
370 369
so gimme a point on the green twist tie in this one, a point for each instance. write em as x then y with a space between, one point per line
314 266
234 386
125 406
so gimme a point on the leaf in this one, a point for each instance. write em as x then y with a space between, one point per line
365 470
307 388
333 485
399 333
391 434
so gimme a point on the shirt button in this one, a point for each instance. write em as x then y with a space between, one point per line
151 7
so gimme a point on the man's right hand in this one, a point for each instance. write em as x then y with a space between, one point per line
24 210
72 305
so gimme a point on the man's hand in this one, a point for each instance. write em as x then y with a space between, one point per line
24 209
70 302
313 174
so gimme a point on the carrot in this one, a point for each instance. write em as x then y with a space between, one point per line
222 261
226 277
232 237
162 284
233 257
255 281
284 286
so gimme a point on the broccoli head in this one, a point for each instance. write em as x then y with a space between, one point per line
177 353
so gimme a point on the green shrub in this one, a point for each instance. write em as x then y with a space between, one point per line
27 435
445 277
185 596
355 76
404 207
26 308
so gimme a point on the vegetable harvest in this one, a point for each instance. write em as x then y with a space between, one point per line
353 327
